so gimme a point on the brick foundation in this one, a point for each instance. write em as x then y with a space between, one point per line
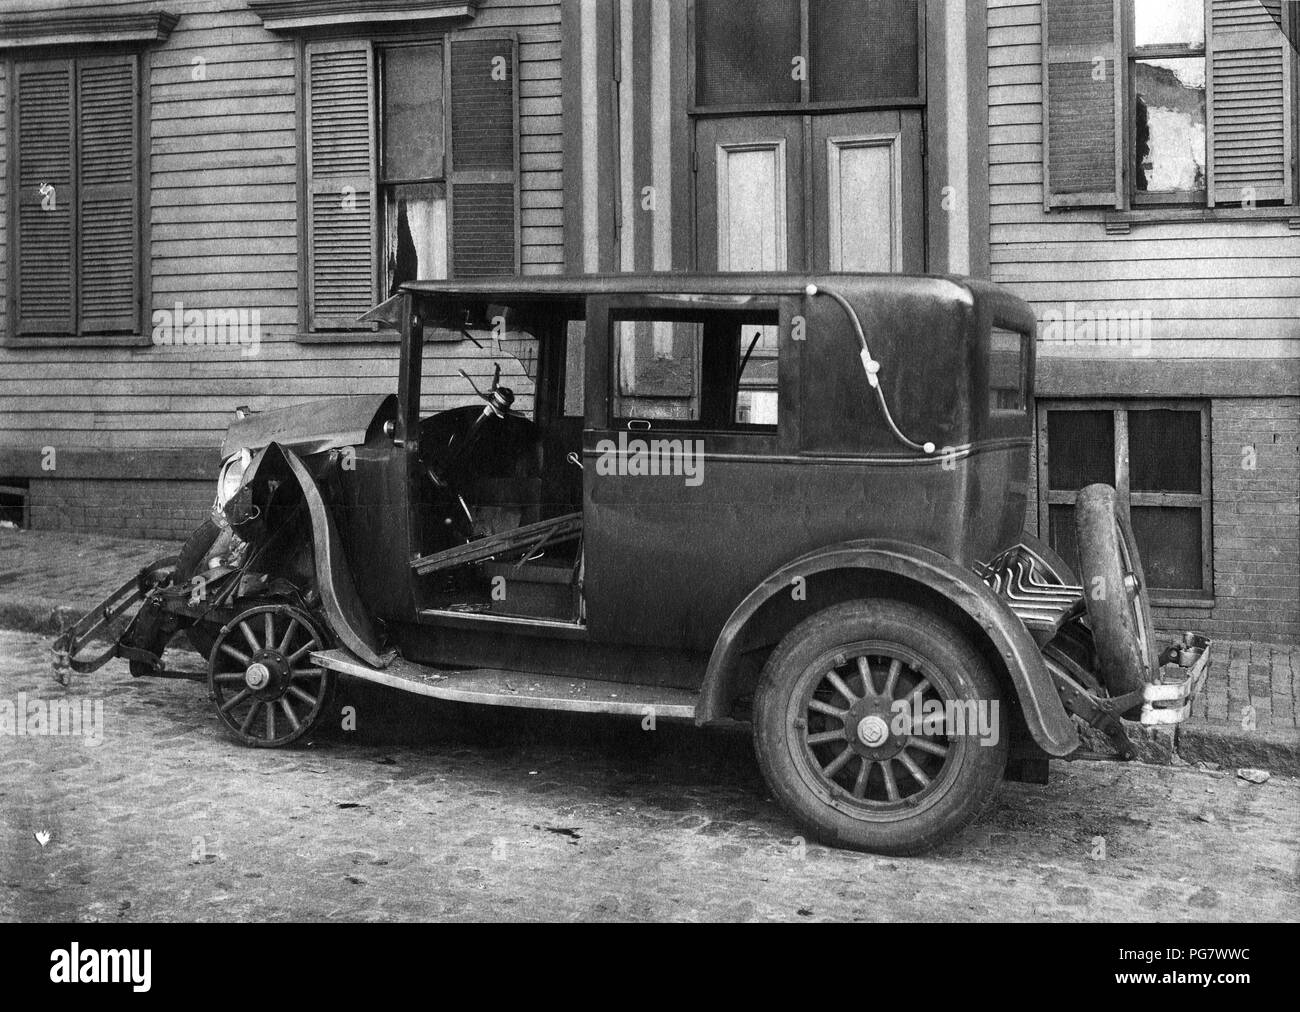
156 510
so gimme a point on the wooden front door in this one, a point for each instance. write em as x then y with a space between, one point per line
824 193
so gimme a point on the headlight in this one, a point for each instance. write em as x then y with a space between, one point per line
231 478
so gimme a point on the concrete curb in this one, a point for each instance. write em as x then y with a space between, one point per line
37 615
1267 749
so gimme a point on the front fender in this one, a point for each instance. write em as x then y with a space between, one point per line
1044 713
347 616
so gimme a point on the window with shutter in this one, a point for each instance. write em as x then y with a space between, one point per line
77 199
341 214
1250 98
1201 110
412 167
45 198
484 152
1083 145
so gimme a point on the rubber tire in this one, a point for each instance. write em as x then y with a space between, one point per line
1127 662
941 644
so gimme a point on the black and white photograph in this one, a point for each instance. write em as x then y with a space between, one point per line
650 462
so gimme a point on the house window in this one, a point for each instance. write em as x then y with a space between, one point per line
75 198
1157 456
1167 101
412 165
792 52
712 370
412 168
1187 102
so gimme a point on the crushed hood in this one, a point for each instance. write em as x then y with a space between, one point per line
312 427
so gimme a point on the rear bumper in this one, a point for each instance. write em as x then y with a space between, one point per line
1169 701
1046 605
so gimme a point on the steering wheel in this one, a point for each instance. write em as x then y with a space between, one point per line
499 399
1115 592
498 404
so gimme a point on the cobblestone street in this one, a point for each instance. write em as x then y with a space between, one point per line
427 813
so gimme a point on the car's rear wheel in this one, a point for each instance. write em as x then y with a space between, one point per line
1114 592
838 755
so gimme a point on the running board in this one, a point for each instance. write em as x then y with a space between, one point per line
521 689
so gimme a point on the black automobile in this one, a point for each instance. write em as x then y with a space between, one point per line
794 501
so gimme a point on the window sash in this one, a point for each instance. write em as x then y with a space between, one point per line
381 114
1133 54
1202 501
806 104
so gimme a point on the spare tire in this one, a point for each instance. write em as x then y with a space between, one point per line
1114 590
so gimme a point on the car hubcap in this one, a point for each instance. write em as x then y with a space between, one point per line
262 678
257 677
854 732
873 732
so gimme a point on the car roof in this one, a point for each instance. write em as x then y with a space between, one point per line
677 283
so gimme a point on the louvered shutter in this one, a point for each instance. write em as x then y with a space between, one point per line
108 226
484 153
1250 95
1083 146
341 217
44 144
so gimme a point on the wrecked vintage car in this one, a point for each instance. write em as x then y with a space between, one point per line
793 501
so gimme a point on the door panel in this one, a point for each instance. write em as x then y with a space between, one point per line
867 193
863 204
749 202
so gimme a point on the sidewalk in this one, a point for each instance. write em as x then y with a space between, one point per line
1246 717
49 579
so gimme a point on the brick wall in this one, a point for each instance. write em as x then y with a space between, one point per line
1256 485
159 510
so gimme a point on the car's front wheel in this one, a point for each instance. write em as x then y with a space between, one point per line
880 727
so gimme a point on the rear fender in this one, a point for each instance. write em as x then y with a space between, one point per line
1043 711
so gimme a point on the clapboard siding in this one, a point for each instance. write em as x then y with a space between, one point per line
224 232
1215 288
4 199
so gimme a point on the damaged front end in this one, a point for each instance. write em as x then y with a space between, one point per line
270 542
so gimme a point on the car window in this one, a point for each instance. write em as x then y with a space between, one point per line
1008 372
712 369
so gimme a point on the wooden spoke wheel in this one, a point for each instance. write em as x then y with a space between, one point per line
267 691
837 733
